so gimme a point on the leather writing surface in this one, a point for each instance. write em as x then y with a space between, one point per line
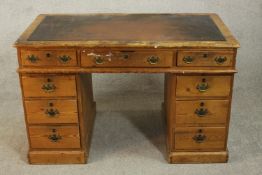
124 28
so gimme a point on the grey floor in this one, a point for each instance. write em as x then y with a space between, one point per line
128 135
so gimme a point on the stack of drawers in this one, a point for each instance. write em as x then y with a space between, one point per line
200 107
52 104
52 123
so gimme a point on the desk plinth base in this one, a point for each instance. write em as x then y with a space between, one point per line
57 157
198 157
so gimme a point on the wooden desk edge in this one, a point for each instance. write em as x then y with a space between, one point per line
124 70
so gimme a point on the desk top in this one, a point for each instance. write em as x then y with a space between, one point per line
128 30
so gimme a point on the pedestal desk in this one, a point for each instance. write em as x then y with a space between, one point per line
57 55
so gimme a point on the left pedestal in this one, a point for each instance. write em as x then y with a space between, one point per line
59 113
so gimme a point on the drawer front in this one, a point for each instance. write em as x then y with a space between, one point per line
205 58
201 112
201 86
197 139
51 111
126 59
54 136
49 86
48 58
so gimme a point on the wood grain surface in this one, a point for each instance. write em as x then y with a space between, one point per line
48 57
217 86
39 136
37 111
217 112
129 58
214 138
64 85
206 58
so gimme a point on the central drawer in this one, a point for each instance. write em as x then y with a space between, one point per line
90 58
54 136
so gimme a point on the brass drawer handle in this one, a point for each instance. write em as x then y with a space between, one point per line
64 58
99 60
51 112
220 59
49 87
201 112
54 137
199 138
203 86
32 58
188 59
153 59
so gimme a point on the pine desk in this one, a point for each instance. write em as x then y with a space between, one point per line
57 55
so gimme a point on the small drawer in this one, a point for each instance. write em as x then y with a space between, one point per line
201 112
200 139
51 111
54 136
126 58
202 86
205 58
48 58
49 85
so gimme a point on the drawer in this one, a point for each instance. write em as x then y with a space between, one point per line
205 58
202 86
48 58
54 136
126 59
49 85
197 139
201 112
51 111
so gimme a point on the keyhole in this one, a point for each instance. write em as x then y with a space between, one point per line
48 55
49 80
53 130
203 80
205 55
202 104
50 104
200 130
